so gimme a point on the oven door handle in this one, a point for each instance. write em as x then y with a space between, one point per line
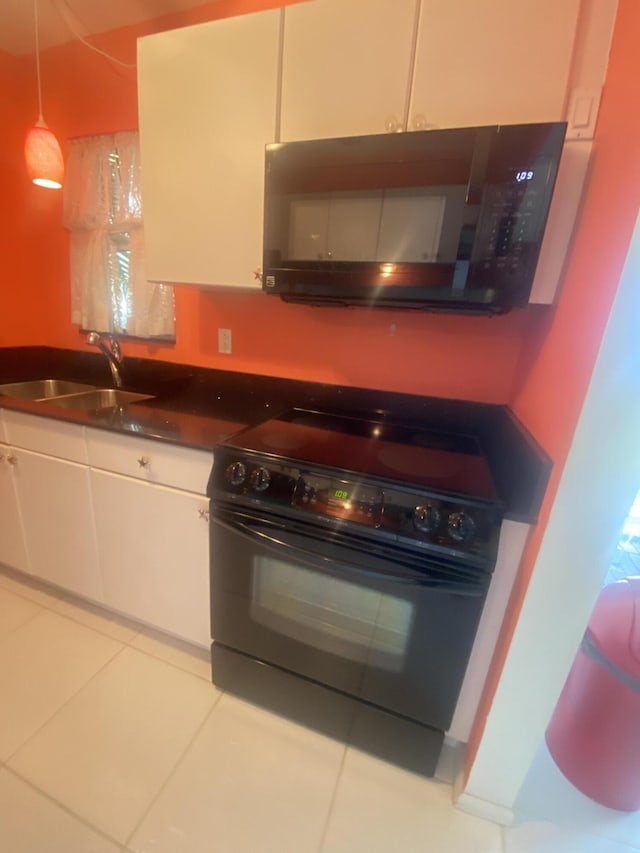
256 529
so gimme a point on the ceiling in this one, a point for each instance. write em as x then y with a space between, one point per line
59 18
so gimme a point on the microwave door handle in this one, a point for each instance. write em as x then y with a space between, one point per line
477 177
249 528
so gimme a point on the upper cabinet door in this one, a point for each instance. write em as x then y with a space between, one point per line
491 62
207 107
346 67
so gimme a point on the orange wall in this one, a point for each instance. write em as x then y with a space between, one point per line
463 357
560 354
25 218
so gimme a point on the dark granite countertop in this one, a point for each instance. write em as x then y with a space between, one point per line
199 407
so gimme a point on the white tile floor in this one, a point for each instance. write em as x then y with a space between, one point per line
112 738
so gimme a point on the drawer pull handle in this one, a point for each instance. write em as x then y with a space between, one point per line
143 461
203 514
12 460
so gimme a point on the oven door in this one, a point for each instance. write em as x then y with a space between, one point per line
360 616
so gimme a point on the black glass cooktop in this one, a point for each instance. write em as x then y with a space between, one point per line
392 451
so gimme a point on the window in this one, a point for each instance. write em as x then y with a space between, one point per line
103 212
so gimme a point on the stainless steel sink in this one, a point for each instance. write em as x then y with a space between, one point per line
43 389
99 398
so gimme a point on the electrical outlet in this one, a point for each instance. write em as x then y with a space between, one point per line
224 341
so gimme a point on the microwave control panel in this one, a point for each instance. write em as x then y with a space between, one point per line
510 225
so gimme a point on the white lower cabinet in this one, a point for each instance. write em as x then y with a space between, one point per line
13 551
117 519
55 503
153 543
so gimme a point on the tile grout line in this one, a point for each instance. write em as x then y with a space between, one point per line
65 703
124 644
130 643
63 807
171 772
155 656
21 625
334 794
5 763
79 603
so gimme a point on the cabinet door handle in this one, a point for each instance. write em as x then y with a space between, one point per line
392 124
144 462
204 514
12 460
420 122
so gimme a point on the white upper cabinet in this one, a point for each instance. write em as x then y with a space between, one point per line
492 62
207 107
374 66
346 67
211 96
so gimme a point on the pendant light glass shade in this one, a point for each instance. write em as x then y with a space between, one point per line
42 153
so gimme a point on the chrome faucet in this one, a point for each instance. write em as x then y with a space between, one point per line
110 347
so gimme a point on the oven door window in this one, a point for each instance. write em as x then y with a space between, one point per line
330 614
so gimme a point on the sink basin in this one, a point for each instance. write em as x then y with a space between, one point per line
43 389
99 398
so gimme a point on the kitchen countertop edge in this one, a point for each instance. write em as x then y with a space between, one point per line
200 407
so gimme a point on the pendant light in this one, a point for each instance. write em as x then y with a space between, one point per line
42 153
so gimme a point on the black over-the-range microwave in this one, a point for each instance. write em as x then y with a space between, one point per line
440 220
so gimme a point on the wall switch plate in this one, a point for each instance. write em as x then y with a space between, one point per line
224 341
582 112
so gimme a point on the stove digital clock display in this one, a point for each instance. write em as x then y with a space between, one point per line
524 175
339 499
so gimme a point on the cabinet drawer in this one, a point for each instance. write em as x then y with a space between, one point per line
45 435
153 461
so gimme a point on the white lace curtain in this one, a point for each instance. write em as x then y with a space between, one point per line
103 212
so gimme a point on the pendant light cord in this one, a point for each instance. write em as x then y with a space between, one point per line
35 19
68 15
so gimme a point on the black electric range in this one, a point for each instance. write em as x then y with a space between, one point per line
355 553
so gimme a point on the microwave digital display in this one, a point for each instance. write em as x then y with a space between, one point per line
441 219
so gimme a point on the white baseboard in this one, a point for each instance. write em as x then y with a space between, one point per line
483 808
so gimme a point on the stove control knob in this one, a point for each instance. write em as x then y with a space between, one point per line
260 479
426 518
461 527
236 473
